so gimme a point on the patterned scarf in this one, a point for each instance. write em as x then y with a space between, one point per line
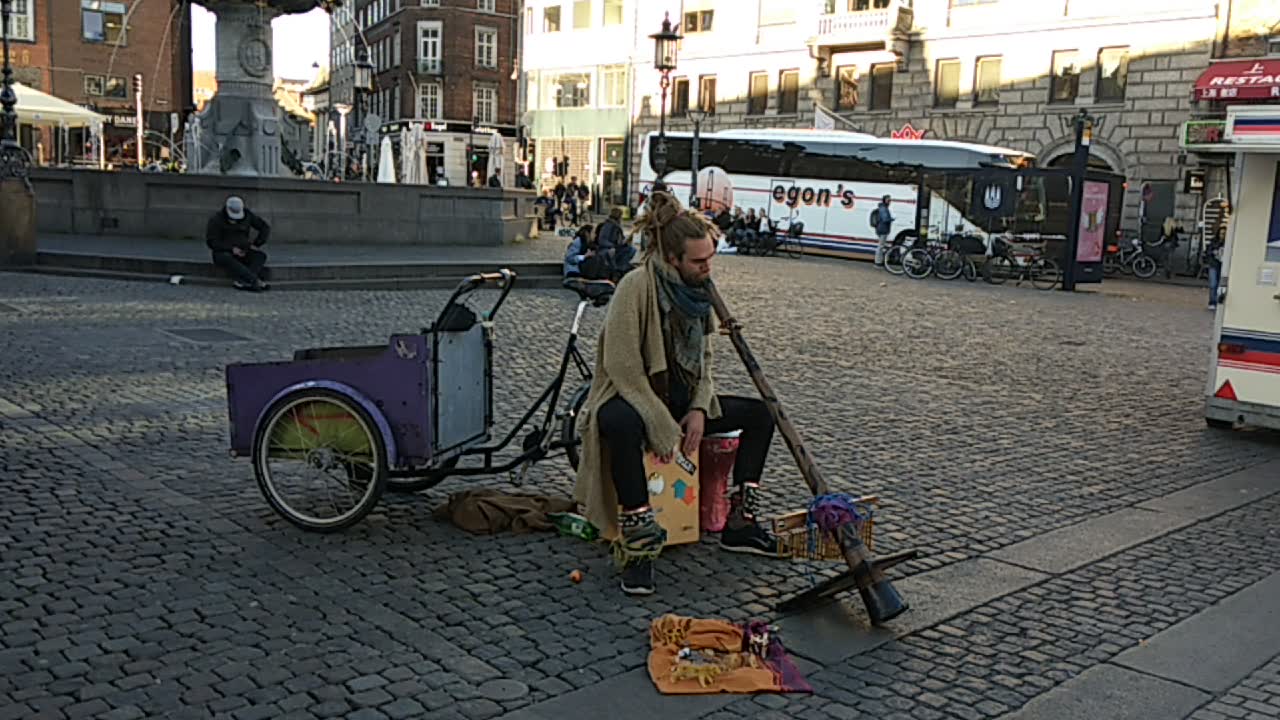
685 309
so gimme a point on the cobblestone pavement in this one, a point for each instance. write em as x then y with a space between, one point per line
144 576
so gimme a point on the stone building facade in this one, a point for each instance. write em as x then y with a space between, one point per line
997 72
450 64
1011 73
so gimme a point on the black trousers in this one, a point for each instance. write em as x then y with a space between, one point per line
247 269
622 431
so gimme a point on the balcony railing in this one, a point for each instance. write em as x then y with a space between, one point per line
863 26
430 66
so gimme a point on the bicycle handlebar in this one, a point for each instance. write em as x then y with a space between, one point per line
504 278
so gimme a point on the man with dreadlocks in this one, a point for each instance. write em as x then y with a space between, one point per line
653 391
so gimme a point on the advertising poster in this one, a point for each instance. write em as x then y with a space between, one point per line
1093 221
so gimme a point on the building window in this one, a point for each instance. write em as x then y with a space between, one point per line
487 5
1113 73
395 50
116 88
430 3
707 94
571 90
613 12
856 5
758 94
680 97
429 101
695 22
582 15
528 21
1273 45
22 21
788 92
429 32
551 19
1065 83
847 87
947 82
486 47
614 80
484 104
881 86
102 21
986 81
93 85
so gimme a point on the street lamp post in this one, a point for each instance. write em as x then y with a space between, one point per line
697 116
362 84
14 161
664 61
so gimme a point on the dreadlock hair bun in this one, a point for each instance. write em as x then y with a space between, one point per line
668 226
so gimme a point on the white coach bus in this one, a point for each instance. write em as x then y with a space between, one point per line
828 180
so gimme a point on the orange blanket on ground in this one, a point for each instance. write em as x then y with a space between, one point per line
689 656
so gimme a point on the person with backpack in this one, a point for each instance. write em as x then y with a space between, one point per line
882 220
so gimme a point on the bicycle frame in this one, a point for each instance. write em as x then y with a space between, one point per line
542 446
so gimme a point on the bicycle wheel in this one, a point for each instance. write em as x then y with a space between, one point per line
893 259
1045 274
998 269
1144 266
569 425
320 460
917 264
948 265
1110 265
970 270
791 247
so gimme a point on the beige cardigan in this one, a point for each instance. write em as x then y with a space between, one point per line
629 354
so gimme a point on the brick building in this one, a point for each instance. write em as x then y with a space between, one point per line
448 63
85 53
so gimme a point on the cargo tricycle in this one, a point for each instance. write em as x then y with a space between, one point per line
331 429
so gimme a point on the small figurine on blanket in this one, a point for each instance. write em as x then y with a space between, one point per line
694 656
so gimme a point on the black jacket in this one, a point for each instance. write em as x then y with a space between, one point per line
222 233
611 235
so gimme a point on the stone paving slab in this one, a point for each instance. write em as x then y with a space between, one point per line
840 630
1222 494
1075 546
1217 648
1257 697
1114 693
630 696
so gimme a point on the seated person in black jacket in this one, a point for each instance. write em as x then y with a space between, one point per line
229 237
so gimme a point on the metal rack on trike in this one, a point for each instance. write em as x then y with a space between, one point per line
345 423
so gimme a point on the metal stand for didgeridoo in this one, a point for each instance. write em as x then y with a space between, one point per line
882 601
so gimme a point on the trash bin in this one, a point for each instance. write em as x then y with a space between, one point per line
718 453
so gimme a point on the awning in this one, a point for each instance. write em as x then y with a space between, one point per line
37 108
1240 80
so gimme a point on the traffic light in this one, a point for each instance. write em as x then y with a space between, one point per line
137 83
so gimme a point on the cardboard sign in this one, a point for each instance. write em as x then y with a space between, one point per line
674 494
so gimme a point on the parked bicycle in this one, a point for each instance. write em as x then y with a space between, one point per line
1006 263
1131 258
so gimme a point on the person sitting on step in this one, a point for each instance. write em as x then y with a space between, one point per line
230 237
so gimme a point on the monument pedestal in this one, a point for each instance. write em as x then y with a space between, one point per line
17 224
239 132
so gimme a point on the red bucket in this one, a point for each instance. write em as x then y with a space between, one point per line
716 454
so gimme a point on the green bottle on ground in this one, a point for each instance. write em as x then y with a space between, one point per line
574 525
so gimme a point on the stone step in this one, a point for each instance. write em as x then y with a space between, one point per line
298 276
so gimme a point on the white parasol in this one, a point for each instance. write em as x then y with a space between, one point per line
386 163
496 146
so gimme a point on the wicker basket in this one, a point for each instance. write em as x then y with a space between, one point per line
792 531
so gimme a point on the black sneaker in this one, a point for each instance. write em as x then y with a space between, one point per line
244 286
637 578
751 539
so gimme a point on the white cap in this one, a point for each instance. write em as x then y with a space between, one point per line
235 208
